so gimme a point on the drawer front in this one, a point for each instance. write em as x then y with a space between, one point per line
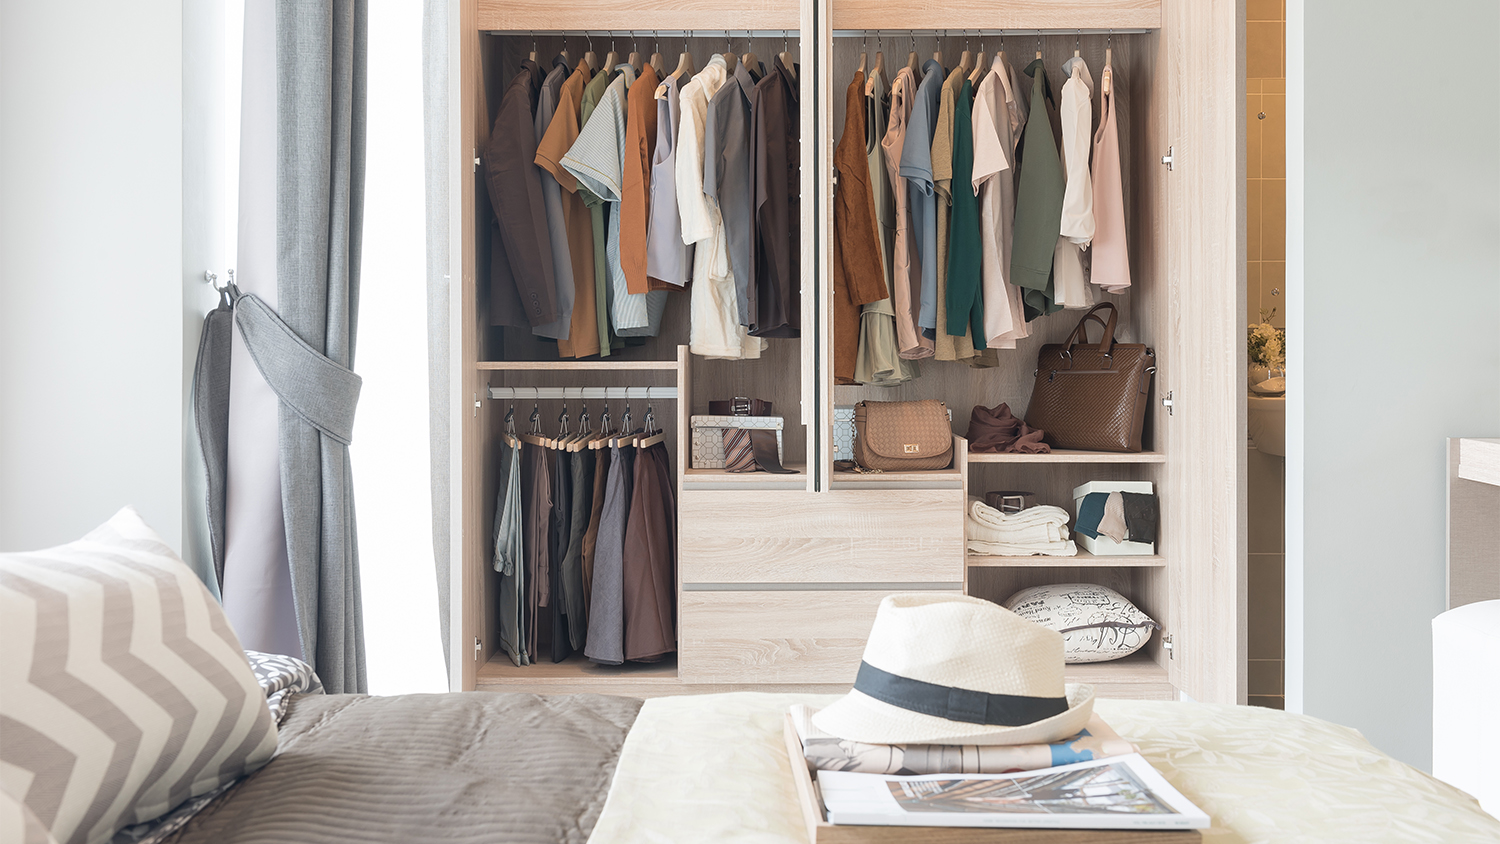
813 636
841 536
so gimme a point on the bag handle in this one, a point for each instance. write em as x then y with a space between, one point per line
1080 333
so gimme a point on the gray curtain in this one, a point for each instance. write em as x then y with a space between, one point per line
435 139
320 169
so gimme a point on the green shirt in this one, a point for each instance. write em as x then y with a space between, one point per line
1039 200
965 294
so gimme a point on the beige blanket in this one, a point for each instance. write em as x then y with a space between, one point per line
714 768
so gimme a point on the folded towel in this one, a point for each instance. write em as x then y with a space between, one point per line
1066 548
1044 514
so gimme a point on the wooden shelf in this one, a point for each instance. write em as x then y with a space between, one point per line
896 479
576 669
1138 669
605 365
717 476
1070 456
1016 14
1084 558
713 18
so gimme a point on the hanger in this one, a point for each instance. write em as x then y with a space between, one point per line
556 443
591 58
730 59
751 60
534 436
612 58
510 437
532 56
979 67
626 435
877 70
1001 55
654 434
600 439
1107 78
863 57
787 59
913 63
1077 43
966 59
937 43
658 63
570 442
684 62
564 51
635 59
1039 43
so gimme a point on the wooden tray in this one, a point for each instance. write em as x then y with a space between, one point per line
820 831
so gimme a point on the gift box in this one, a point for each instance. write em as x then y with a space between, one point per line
708 437
1103 546
843 432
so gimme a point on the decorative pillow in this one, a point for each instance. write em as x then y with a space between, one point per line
1098 624
123 690
281 676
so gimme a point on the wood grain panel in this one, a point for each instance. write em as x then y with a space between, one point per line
577 675
1473 532
743 559
988 14
1204 45
637 15
1479 460
708 515
774 637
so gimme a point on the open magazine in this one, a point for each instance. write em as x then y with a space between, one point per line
1121 792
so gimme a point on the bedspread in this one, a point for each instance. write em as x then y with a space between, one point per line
715 768
470 767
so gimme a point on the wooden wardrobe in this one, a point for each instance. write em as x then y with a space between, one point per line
779 575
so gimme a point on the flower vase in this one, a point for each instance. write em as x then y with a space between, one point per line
1257 374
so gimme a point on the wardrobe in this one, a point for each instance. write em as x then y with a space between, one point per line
778 576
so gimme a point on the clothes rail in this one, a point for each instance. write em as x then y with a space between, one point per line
538 393
651 33
978 33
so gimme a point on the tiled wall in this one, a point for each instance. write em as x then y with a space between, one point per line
1265 172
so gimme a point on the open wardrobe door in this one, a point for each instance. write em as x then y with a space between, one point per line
1203 176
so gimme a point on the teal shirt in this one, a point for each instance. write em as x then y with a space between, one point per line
965 294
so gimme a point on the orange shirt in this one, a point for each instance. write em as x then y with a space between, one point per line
583 332
635 195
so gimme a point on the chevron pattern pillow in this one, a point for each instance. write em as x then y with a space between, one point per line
123 690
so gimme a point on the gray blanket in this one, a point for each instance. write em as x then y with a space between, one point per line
469 767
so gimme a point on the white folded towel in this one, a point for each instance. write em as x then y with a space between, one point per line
1035 530
1035 549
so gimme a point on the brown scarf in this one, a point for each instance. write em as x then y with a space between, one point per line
995 430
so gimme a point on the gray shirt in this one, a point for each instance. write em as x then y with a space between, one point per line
916 169
726 179
668 259
557 230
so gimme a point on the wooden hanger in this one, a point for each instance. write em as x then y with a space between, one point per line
1107 75
1038 43
863 57
937 53
590 57
532 55
1077 43
787 59
657 63
979 67
877 70
535 436
730 58
612 58
653 439
750 60
966 58
509 435
684 65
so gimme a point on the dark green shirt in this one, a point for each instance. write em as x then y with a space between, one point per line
1039 201
965 254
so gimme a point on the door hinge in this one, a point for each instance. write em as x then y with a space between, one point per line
1167 403
478 648
476 403
476 161
1169 158
1168 646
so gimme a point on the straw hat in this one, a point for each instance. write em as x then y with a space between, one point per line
949 669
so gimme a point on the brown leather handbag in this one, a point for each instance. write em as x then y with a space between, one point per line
902 436
1092 396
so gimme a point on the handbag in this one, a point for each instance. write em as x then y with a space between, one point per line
1092 396
902 436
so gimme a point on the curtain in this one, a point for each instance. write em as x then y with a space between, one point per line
320 144
435 143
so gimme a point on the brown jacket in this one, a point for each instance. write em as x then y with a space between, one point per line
522 291
858 278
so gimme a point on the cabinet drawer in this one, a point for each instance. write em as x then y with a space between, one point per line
813 636
842 536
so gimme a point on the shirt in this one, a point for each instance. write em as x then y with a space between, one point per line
906 276
669 261
949 345
965 294
1070 269
996 115
726 179
557 231
635 204
603 290
879 359
585 331
916 168
714 328
1038 203
777 144
597 159
857 278
1111 264
522 288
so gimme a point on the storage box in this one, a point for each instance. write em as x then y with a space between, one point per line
708 437
843 432
1104 546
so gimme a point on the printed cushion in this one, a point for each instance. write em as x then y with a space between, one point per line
1098 624
280 677
123 690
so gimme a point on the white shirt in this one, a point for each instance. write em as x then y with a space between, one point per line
714 328
995 113
1070 270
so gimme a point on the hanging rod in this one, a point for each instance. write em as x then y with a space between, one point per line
648 33
554 393
977 33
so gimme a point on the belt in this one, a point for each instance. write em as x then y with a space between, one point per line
740 406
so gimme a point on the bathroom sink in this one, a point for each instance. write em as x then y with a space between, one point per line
1266 419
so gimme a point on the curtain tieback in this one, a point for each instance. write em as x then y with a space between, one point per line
312 385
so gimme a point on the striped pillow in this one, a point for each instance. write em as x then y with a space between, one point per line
123 690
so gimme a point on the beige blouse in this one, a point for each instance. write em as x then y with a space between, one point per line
906 279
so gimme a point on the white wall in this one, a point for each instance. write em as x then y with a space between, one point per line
1395 339
91 267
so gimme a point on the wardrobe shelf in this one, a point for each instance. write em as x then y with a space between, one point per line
860 480
500 671
1083 558
1071 456
716 476
605 365
1137 670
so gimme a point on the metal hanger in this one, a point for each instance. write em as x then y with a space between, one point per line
654 434
535 436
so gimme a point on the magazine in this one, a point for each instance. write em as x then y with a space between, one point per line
1122 792
827 753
